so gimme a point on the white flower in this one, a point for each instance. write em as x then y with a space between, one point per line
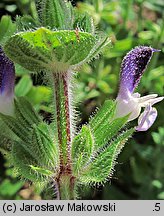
133 66
133 105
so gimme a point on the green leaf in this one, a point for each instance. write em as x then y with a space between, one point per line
6 138
105 113
7 28
22 123
106 131
5 145
101 168
85 23
25 112
55 14
102 42
41 170
22 161
26 23
37 159
42 146
82 148
24 86
20 71
14 125
53 50
6 132
104 126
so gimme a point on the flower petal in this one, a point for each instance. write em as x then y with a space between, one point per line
132 68
147 118
6 105
7 79
149 99
128 106
7 74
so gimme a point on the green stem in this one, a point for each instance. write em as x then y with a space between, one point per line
63 117
64 127
67 187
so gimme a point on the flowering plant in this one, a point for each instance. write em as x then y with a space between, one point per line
58 43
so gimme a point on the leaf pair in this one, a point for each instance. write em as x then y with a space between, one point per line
45 50
33 150
95 148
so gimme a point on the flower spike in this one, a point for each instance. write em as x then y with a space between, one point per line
132 69
7 79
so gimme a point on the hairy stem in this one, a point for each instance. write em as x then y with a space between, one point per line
63 116
64 133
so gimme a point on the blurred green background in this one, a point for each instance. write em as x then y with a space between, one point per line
139 173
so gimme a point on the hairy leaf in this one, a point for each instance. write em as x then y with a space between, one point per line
103 126
45 49
6 132
42 170
82 148
102 165
26 23
5 145
24 110
55 14
101 42
39 157
84 23
14 125
45 149
22 123
23 161
105 113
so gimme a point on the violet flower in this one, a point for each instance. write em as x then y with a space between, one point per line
7 79
128 102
